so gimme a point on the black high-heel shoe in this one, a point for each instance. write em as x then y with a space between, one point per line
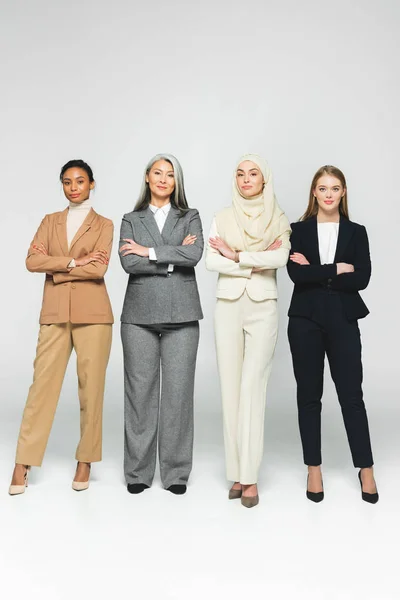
371 498
314 496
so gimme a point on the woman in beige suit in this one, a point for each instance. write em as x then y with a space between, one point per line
248 242
72 248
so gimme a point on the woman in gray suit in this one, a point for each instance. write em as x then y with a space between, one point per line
161 243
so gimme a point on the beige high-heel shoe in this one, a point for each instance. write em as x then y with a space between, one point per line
79 486
14 490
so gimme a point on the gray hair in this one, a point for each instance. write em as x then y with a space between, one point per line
178 196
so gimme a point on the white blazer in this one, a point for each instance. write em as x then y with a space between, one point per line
234 278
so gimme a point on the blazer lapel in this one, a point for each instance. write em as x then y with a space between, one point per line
312 240
83 228
61 229
346 231
148 220
172 218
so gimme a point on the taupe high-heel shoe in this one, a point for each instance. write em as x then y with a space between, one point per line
235 494
80 486
14 490
250 501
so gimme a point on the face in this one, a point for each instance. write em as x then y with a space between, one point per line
329 191
161 179
249 179
76 185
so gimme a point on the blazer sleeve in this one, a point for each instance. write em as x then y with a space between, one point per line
307 273
42 263
268 259
359 279
184 256
93 270
133 264
216 262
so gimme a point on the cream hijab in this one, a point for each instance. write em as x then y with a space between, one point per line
261 221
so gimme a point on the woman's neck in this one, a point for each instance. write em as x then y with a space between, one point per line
323 217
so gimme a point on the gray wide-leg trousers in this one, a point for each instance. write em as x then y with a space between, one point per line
165 352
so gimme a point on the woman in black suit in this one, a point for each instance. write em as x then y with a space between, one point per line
329 264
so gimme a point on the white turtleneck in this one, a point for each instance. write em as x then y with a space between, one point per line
77 213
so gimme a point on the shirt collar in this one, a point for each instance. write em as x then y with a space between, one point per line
165 209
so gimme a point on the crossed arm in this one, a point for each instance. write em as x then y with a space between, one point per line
344 276
135 258
92 266
223 259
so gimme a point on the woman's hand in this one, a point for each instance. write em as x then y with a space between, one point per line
222 247
100 256
131 247
189 240
41 248
298 258
275 245
344 268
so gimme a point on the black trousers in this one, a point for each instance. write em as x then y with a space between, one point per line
329 332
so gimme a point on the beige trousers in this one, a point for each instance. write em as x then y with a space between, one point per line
92 345
246 333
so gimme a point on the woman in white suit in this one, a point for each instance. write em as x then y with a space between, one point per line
248 242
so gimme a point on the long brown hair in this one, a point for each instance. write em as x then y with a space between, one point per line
312 208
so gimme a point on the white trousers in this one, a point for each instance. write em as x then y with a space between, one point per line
245 333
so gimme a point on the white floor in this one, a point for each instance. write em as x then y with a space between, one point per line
58 544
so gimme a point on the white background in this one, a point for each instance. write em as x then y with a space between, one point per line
301 83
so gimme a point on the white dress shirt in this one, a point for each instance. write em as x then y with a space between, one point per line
327 242
160 215
77 213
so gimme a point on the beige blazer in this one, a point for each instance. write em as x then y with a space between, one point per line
79 294
234 278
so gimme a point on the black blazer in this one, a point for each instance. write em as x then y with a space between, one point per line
309 280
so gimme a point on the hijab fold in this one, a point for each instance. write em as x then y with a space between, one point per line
260 219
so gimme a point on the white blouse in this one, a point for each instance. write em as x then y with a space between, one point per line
160 215
327 241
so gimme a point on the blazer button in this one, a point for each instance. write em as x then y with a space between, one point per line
329 280
73 286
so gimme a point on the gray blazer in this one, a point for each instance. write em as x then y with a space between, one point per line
153 295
